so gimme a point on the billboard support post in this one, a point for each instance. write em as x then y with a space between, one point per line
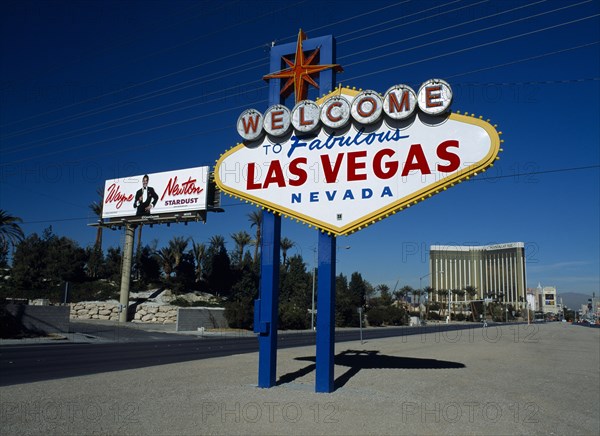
126 271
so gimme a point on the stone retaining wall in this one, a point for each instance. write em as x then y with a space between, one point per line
147 313
95 310
156 314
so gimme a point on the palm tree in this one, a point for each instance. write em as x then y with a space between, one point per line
96 207
417 293
177 247
255 219
429 291
285 244
471 291
455 293
217 240
385 298
241 239
460 295
199 251
442 295
166 260
403 292
10 231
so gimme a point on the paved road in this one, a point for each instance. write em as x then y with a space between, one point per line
135 348
110 331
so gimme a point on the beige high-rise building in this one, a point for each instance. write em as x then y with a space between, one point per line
493 270
549 300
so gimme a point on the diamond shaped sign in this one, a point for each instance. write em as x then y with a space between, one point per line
341 175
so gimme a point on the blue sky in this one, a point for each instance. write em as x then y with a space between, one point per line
97 90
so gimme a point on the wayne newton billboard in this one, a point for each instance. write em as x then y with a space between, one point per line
157 194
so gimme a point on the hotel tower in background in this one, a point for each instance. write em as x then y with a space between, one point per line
493 270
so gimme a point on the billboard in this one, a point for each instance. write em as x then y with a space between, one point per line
157 194
352 158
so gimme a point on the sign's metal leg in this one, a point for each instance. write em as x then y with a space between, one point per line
266 319
326 314
266 307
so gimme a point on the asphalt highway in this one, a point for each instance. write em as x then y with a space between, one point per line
36 362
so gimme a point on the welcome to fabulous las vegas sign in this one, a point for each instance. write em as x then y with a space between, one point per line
352 158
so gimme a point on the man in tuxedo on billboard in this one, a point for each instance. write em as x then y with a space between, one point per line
145 198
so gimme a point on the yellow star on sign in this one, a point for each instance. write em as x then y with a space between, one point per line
299 73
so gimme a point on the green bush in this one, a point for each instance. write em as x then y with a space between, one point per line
181 302
240 314
100 290
377 316
458 316
496 310
434 316
206 304
396 316
434 305
390 315
293 317
346 317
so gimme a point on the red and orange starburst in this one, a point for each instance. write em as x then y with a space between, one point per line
300 72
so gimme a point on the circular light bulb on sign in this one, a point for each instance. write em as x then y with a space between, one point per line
335 112
305 116
434 97
250 124
399 102
367 107
277 120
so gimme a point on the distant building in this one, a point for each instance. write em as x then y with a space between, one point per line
548 300
533 299
544 299
591 310
493 270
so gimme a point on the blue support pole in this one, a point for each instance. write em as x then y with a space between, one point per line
266 307
269 300
326 314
